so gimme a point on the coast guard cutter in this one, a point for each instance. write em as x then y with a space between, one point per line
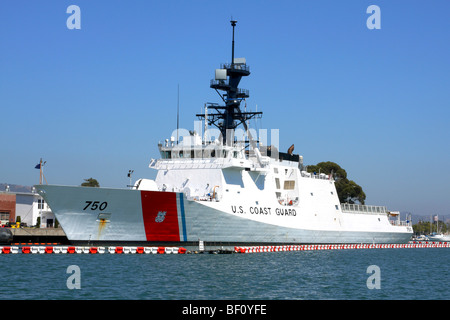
227 191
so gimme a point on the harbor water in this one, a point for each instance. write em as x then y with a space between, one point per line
381 274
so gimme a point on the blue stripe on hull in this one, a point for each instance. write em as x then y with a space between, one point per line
183 218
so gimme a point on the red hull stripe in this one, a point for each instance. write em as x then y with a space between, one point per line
159 210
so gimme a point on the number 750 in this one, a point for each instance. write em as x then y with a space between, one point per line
94 205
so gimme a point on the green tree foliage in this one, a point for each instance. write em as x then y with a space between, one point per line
425 227
348 190
90 183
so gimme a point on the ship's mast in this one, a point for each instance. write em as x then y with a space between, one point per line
233 24
229 116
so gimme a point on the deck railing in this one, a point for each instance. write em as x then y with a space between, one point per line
311 175
400 223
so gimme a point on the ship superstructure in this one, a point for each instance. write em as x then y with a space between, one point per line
224 187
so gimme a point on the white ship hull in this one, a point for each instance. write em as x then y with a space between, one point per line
100 215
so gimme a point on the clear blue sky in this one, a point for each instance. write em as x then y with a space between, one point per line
95 102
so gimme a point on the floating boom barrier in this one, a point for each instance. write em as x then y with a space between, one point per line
90 250
181 250
314 247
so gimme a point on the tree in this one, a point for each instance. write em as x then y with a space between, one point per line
90 183
425 227
348 190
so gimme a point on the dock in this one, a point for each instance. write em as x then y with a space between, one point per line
39 235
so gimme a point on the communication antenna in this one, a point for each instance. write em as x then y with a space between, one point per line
233 24
178 111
